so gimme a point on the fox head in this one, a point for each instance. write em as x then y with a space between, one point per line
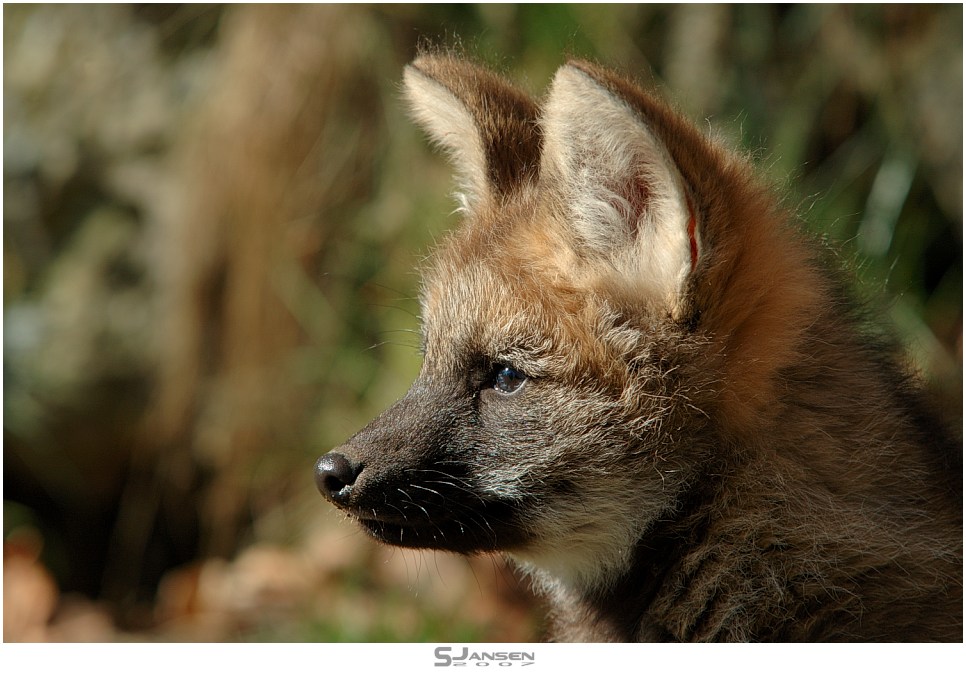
612 310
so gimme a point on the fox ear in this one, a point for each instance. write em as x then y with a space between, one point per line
487 126
624 194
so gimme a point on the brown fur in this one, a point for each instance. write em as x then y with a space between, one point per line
739 460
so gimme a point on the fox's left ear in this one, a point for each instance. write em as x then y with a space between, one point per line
624 193
487 126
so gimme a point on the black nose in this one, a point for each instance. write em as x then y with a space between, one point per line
334 475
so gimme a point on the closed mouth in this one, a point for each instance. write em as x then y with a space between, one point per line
450 535
465 532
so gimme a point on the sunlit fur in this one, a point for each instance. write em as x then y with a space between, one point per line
710 443
597 155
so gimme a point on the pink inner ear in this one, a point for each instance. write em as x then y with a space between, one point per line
692 237
637 195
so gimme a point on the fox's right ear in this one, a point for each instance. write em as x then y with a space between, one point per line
625 196
487 126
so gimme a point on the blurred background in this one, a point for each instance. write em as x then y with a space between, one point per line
211 217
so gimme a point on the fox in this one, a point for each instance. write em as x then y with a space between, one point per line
649 388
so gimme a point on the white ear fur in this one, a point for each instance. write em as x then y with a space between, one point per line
452 126
624 193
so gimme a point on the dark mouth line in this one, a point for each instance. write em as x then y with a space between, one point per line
444 528
396 522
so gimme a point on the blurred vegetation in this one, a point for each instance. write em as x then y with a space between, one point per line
211 218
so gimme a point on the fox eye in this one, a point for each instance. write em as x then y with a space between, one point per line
507 379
